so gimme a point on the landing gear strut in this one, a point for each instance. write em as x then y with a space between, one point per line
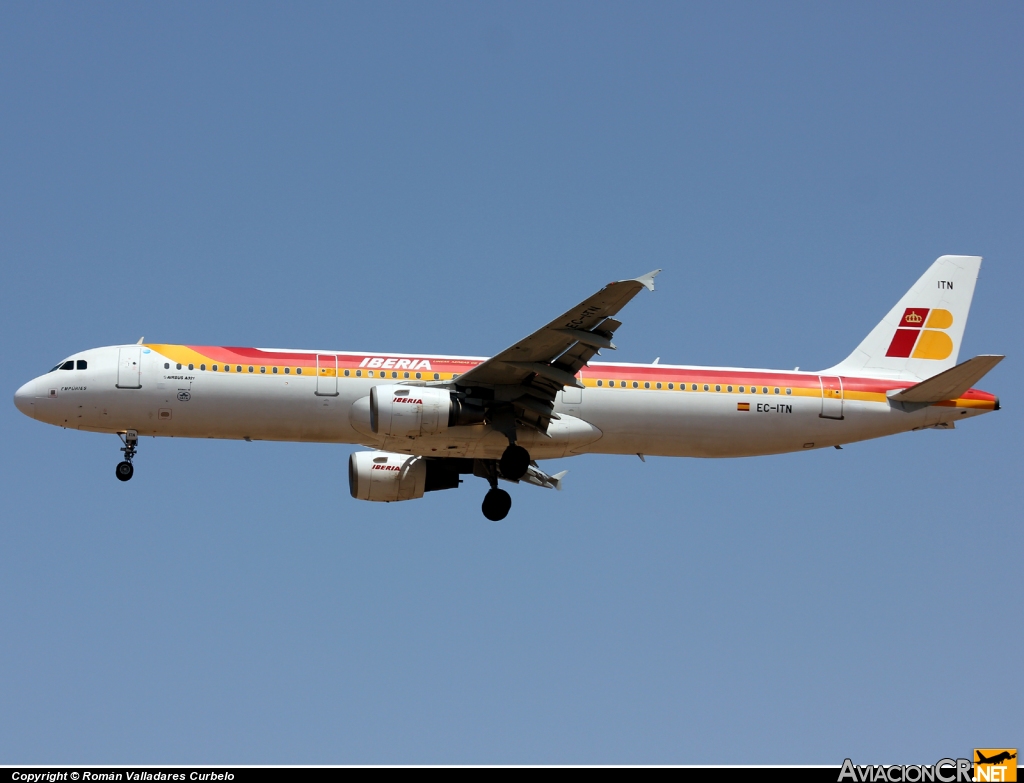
125 470
497 502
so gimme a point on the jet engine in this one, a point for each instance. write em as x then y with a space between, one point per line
387 477
404 411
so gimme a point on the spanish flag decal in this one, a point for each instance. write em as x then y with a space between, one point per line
743 406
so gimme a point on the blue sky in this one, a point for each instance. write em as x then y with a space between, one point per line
447 177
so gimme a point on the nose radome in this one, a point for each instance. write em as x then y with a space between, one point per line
23 400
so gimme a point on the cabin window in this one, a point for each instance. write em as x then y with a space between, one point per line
263 369
274 370
647 385
789 391
741 390
202 367
370 373
346 373
214 368
167 365
178 366
287 370
776 389
718 388
238 368
671 386
250 368
359 373
693 387
728 388
764 390
418 375
657 385
706 387
395 375
437 377
227 368
81 364
191 366
636 385
455 375
298 371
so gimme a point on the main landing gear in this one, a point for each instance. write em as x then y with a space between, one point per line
124 470
513 466
496 505
514 462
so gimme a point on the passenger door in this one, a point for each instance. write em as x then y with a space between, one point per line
326 375
831 397
129 367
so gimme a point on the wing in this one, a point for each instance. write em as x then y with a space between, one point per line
529 374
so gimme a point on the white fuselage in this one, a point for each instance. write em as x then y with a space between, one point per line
753 411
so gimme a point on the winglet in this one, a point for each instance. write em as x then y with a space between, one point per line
140 341
557 480
647 281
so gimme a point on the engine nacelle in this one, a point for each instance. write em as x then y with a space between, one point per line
387 477
408 412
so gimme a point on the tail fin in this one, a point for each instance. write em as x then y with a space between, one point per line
921 335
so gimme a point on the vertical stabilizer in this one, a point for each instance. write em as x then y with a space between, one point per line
921 335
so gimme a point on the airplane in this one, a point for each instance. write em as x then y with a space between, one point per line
429 419
996 759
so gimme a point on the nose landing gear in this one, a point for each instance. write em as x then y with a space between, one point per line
124 470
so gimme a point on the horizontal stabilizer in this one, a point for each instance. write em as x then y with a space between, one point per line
949 385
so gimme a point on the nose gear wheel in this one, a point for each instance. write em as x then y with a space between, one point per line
125 470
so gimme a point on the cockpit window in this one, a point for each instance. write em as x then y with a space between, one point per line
82 364
68 365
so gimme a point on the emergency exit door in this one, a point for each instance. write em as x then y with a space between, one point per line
326 375
831 397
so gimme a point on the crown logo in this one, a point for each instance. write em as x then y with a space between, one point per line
913 318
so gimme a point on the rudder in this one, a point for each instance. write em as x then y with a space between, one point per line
921 335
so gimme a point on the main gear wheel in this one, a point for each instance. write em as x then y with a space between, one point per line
497 503
514 462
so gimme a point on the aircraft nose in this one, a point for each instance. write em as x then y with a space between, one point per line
23 400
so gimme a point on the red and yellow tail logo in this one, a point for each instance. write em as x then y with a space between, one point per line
919 335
